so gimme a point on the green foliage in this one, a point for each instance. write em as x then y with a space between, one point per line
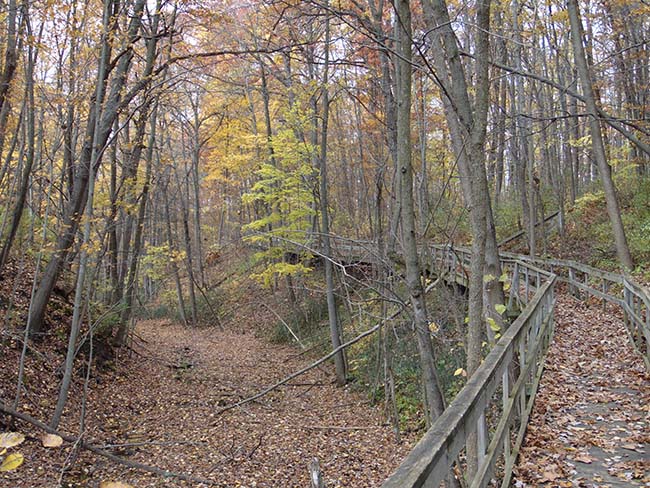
280 269
508 214
406 372
283 195
590 199
449 361
109 321
507 218
637 220
409 397
592 226
157 261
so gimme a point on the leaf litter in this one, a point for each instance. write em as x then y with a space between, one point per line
159 406
590 422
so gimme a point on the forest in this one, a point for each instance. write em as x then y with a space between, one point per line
324 243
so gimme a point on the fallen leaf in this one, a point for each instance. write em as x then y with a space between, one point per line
632 447
11 439
51 440
583 458
551 474
12 461
113 484
493 324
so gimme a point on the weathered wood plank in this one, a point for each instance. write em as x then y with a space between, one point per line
429 462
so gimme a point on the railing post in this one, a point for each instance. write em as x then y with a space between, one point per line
639 314
646 301
530 338
512 287
626 301
572 279
481 437
505 387
522 365
515 285
527 283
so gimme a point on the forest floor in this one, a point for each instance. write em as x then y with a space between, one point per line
159 405
590 425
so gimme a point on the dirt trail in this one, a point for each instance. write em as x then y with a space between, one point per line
590 425
163 407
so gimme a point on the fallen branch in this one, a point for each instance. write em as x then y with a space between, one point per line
516 235
101 452
324 358
302 346
207 301
308 368
151 443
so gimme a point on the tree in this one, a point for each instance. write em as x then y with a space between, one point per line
430 383
597 144
109 97
335 328
19 206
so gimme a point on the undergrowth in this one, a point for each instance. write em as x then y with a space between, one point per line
588 235
589 223
308 320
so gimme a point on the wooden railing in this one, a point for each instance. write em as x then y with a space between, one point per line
494 406
611 288
496 401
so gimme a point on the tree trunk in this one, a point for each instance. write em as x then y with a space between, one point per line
433 396
598 147
335 328
100 122
29 157
131 285
9 68
172 248
467 123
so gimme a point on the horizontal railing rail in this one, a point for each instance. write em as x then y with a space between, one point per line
610 288
613 288
513 367
495 404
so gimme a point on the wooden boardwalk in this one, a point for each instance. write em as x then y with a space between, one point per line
601 439
430 462
590 426
497 402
